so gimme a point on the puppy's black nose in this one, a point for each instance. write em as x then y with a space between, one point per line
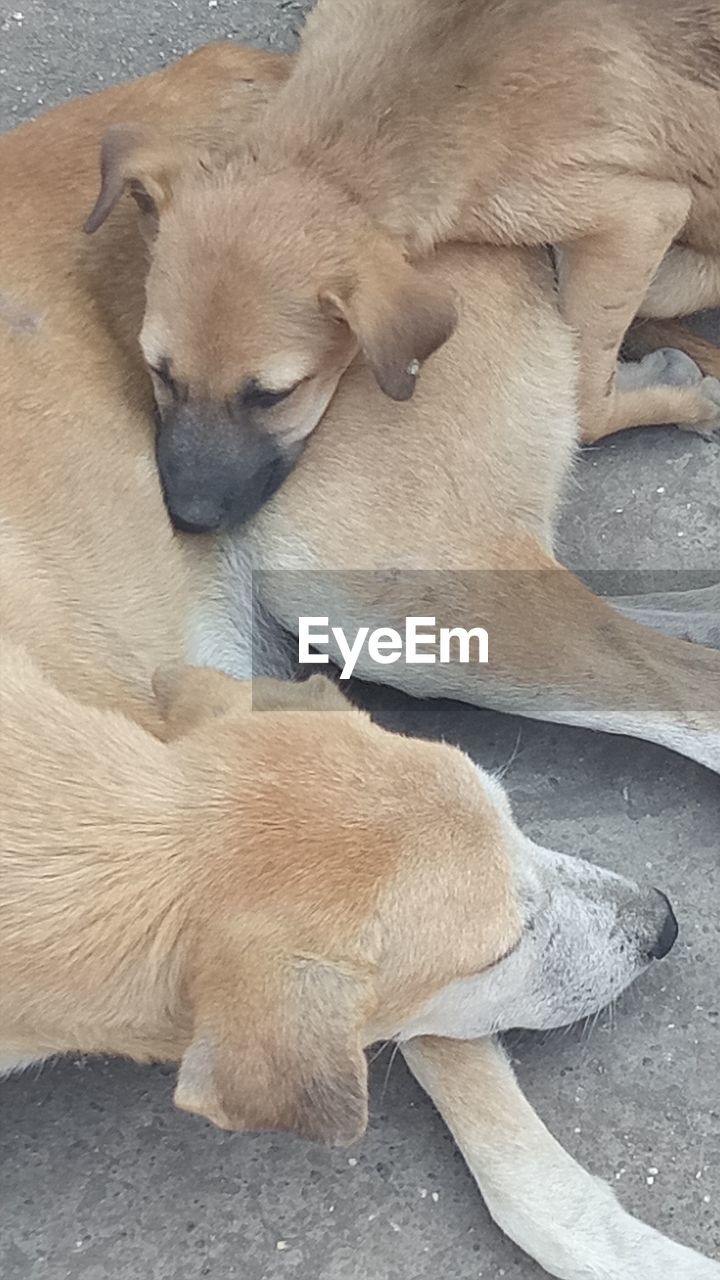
205 493
667 937
192 526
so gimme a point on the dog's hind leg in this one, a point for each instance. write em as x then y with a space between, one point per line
557 652
602 278
567 1220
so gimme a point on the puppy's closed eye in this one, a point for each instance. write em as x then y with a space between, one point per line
256 396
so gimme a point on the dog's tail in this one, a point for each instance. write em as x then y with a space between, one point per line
649 335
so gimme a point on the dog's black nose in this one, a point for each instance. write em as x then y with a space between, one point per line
209 485
192 526
667 936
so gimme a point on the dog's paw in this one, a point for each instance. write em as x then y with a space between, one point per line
710 388
708 428
664 368
671 368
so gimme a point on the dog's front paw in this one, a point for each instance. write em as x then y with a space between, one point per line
669 367
700 402
707 428
666 367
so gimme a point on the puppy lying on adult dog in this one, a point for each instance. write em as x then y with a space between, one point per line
404 125
96 592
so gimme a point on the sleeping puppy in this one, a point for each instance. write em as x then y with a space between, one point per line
158 902
405 124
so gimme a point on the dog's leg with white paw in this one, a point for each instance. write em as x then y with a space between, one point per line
556 651
665 387
602 279
563 1217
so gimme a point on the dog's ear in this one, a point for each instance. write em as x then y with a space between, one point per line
189 696
134 159
277 1045
399 316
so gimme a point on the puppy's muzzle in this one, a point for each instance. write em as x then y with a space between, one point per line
214 475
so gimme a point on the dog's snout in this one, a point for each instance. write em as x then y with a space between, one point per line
196 518
216 479
193 512
667 931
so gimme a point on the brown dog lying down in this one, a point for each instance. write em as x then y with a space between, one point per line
97 591
591 124
232 899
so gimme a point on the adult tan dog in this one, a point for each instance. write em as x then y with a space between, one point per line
407 124
232 900
96 591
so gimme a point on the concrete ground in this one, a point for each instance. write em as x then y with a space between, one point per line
101 1179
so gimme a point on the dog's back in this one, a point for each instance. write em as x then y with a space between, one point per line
684 36
531 91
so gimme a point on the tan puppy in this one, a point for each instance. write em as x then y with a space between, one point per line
406 124
98 591
79 438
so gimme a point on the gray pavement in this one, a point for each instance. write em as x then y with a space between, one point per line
101 1179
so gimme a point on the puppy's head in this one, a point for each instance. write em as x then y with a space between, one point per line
264 283
367 886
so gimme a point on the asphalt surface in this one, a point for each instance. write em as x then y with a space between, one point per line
101 1178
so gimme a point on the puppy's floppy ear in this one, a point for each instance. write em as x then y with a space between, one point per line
399 316
133 159
277 1045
